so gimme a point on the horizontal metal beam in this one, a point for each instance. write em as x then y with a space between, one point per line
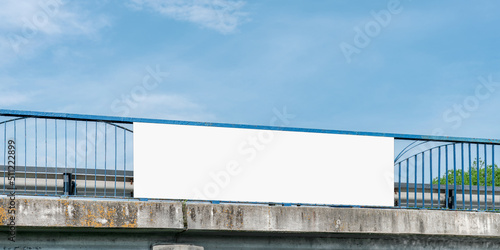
63 116
116 119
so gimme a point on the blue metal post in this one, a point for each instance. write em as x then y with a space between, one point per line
446 175
463 176
125 162
4 155
430 177
116 157
15 140
439 177
95 162
105 156
423 179
55 133
36 155
407 182
477 175
485 179
454 177
493 175
76 154
46 163
415 184
25 154
65 146
399 185
470 178
86 154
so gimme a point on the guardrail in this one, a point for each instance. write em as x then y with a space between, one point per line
84 182
66 156
451 175
70 154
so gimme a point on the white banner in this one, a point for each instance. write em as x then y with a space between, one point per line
235 164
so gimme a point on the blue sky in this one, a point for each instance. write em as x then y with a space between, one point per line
417 71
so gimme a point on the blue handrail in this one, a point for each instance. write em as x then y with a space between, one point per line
115 119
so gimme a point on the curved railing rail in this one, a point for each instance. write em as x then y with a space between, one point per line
450 175
57 156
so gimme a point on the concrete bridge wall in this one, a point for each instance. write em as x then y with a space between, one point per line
68 223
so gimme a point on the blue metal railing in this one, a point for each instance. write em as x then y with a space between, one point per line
61 156
461 175
95 153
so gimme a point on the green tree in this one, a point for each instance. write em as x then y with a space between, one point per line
473 174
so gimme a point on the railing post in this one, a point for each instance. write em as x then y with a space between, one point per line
451 199
69 184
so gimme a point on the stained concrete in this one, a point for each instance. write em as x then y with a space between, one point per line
341 220
102 213
61 223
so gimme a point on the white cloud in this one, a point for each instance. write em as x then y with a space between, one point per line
29 25
170 102
223 16
170 106
8 98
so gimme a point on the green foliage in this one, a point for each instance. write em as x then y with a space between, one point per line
473 174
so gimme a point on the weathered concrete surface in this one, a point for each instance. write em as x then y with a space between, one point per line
105 213
64 223
51 212
209 217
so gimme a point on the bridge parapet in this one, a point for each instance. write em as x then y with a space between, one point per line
93 156
67 213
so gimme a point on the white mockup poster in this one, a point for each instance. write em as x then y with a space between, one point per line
237 164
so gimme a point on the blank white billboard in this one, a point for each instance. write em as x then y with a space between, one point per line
236 164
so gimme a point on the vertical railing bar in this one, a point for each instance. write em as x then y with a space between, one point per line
407 182
25 154
485 179
423 179
86 154
4 155
95 161
439 176
446 175
470 178
36 156
478 183
56 163
15 140
454 176
105 156
463 175
76 153
46 162
430 178
399 184
493 175
125 161
415 184
65 147
116 156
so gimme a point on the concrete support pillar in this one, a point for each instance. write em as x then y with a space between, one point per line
176 247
